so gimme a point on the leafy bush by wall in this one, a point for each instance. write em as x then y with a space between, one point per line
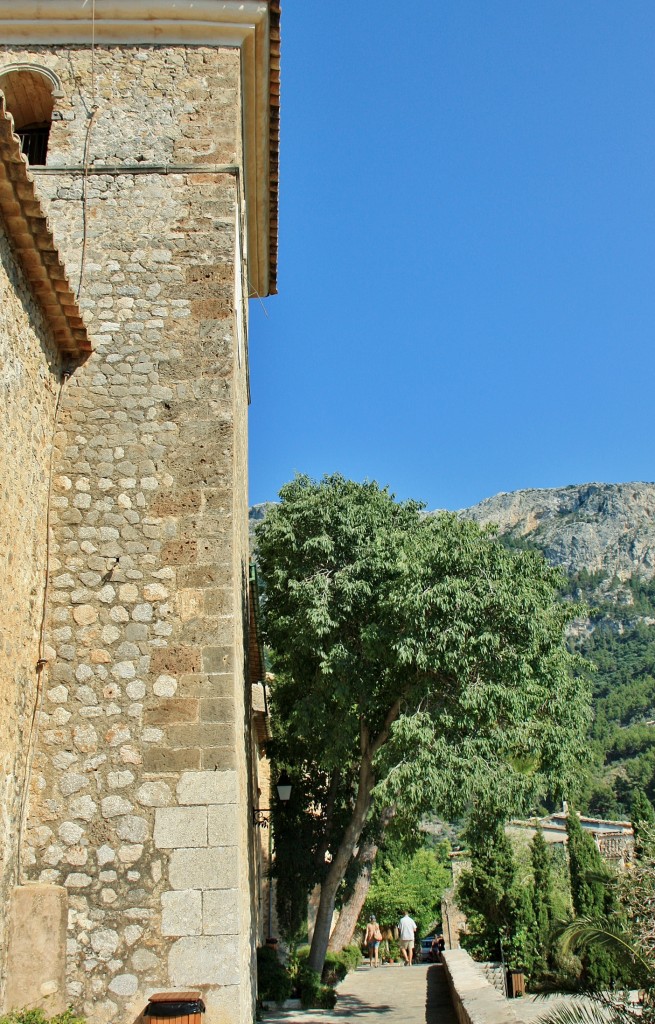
273 980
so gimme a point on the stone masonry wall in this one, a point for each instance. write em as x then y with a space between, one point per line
140 801
30 374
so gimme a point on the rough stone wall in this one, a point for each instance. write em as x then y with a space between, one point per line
475 1000
140 803
30 374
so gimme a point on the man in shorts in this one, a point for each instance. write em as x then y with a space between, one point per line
407 929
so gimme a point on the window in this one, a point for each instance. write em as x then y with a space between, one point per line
30 92
34 141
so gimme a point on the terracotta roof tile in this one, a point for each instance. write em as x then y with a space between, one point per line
274 43
31 238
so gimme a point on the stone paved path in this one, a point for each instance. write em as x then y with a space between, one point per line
388 995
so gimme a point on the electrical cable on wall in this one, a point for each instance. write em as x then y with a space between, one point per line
85 184
41 660
92 118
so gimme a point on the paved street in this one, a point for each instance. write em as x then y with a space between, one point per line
388 995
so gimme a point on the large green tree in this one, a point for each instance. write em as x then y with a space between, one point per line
419 664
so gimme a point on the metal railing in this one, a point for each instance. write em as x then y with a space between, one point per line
34 143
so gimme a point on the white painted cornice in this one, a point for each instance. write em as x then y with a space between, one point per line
236 23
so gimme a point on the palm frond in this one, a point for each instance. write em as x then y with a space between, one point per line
591 1009
584 932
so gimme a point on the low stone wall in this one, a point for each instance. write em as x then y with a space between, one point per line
475 1000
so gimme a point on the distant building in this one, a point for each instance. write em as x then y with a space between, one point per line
615 839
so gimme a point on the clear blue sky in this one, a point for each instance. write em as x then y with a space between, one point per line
467 248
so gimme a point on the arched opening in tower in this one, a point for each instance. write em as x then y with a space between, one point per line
29 99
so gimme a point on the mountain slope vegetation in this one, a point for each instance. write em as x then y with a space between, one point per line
603 538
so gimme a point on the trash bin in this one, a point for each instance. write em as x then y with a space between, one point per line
516 984
174 1008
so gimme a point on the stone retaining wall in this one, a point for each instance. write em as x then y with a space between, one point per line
475 1000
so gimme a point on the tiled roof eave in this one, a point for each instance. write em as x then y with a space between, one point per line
32 240
274 136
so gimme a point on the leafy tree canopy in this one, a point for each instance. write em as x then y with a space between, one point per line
419 663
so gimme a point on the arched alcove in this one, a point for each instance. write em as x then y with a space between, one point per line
30 92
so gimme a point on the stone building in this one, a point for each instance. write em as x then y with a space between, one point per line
615 840
128 852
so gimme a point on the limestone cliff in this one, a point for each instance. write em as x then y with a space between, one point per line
608 528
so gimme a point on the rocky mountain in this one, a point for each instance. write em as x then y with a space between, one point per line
601 528
603 536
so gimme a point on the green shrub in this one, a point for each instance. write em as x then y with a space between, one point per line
337 965
335 969
390 949
313 993
273 980
351 956
37 1016
327 998
318 991
309 985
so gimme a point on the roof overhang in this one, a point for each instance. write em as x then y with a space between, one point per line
250 25
31 238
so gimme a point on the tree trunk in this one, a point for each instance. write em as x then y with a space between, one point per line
345 927
351 836
339 864
343 932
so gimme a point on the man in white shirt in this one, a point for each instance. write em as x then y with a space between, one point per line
407 928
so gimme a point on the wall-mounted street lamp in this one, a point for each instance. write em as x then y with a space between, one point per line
261 815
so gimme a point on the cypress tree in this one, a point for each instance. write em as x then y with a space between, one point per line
642 815
542 899
593 897
497 905
587 868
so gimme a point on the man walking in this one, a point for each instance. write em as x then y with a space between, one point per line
407 929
